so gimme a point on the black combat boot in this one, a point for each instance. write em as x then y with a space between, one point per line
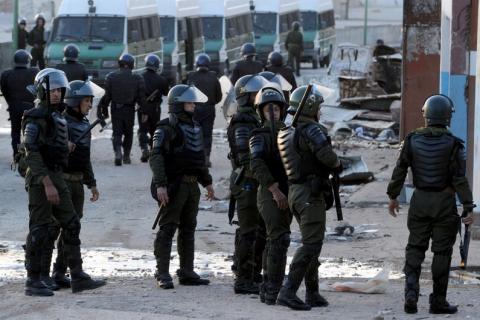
145 154
81 281
118 156
126 156
277 261
35 287
186 252
288 295
312 295
440 275
260 243
412 289
45 263
162 250
244 283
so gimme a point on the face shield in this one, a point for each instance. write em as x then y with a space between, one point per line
191 94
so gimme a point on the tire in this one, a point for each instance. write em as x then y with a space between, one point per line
314 63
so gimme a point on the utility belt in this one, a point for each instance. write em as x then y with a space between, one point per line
55 167
189 179
73 177
116 106
316 183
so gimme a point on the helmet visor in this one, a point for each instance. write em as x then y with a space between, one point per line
192 94
284 84
255 84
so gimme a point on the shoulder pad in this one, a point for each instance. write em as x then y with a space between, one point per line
30 136
158 140
242 135
37 112
315 135
258 146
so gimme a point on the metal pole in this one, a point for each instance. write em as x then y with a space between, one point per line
15 26
365 24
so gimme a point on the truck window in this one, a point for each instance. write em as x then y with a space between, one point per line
265 22
86 29
308 20
167 28
212 27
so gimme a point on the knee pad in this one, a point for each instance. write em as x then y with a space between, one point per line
37 237
72 232
168 230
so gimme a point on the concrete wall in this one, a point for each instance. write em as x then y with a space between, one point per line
5 55
391 34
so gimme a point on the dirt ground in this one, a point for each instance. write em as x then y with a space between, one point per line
117 241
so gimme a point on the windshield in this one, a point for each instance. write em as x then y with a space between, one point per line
88 29
265 22
167 28
309 21
212 27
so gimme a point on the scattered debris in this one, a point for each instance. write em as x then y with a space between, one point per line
377 284
355 170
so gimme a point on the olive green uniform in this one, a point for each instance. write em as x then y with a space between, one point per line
44 158
251 236
433 212
268 169
294 46
178 163
308 159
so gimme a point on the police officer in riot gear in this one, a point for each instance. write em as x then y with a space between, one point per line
308 159
72 68
13 83
248 65
207 82
79 172
123 90
437 161
22 36
156 86
178 164
273 189
275 65
37 41
243 187
45 137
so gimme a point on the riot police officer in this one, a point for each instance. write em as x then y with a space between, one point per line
13 84
178 164
72 68
45 137
243 187
79 172
156 86
207 82
294 46
248 65
437 160
308 158
36 38
272 191
123 89
275 65
22 36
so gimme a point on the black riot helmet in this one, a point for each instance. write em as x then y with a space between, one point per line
247 85
23 21
275 59
437 110
269 94
202 61
248 50
182 93
152 62
126 60
278 79
77 91
21 58
48 79
70 53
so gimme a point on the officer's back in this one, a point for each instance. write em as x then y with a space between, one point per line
14 81
154 81
206 80
122 85
248 65
72 68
